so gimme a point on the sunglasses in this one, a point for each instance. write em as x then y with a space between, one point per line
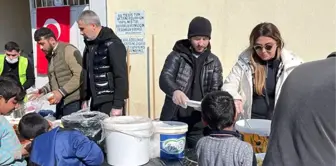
267 47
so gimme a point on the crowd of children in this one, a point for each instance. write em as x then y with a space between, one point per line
73 148
48 146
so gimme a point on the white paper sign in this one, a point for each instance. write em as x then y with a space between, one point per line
130 23
136 45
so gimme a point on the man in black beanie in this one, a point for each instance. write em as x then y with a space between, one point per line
190 72
332 55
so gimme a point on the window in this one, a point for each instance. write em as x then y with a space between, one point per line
50 3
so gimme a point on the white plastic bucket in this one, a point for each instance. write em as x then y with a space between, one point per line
127 140
168 140
256 133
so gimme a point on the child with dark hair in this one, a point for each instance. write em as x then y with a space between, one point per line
58 146
11 151
223 146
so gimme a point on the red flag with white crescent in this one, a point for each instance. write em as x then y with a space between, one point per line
58 20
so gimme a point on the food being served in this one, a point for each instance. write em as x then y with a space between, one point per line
260 158
259 161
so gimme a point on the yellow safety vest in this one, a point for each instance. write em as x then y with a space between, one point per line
23 65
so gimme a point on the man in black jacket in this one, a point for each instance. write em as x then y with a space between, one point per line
104 66
190 72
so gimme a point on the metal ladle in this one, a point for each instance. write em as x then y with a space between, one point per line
246 122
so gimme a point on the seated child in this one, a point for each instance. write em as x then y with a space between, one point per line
223 147
11 93
58 146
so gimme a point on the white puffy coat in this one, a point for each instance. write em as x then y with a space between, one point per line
239 81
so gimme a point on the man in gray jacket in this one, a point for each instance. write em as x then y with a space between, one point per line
303 127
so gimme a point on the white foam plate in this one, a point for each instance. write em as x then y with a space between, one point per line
194 104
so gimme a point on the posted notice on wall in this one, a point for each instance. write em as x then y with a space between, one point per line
136 45
130 23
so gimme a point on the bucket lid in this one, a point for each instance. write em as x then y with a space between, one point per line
170 126
127 123
256 126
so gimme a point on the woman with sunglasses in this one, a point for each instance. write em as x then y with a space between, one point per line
255 80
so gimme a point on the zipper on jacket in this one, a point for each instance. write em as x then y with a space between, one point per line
58 86
202 79
190 84
203 75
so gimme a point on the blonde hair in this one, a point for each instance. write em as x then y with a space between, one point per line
267 30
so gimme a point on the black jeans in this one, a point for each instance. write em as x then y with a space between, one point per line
63 110
191 140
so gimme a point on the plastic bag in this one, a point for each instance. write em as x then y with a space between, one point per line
31 90
50 117
88 122
35 105
30 106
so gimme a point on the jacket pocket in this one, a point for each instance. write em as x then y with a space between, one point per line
102 88
101 60
101 69
100 77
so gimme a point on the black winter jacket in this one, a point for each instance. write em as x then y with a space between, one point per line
105 70
177 74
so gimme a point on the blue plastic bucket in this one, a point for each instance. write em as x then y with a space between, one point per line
170 139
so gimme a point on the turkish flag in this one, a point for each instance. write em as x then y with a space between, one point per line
58 20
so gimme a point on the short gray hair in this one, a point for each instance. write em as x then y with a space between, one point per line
89 17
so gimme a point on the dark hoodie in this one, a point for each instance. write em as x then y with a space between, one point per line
194 92
197 61
105 70
196 77
303 126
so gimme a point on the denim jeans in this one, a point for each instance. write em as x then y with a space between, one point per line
63 110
